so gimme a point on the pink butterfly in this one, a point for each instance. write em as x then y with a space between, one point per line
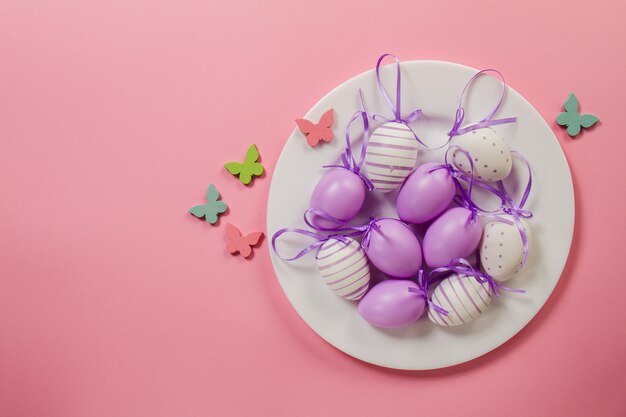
318 132
238 243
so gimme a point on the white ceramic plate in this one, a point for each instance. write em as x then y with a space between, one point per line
434 87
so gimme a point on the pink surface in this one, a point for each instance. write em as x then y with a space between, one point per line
116 115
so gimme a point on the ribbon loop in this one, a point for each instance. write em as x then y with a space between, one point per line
422 290
464 197
348 160
517 211
488 120
463 266
396 107
321 239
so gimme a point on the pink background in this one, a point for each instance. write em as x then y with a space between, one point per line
116 115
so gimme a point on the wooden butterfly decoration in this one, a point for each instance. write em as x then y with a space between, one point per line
237 243
212 208
315 133
574 120
249 168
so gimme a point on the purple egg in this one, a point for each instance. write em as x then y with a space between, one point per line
451 236
425 195
340 193
390 304
394 249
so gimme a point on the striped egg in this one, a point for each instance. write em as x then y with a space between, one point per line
463 297
391 155
344 267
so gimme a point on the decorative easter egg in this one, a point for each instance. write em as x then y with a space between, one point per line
390 304
425 194
394 249
451 236
463 297
490 153
502 249
344 267
340 193
391 155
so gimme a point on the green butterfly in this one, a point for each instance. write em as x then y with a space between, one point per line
249 168
212 208
574 120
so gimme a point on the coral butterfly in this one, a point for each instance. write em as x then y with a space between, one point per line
320 131
236 242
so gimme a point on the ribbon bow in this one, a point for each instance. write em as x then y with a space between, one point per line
462 266
342 226
464 198
321 239
347 157
517 211
485 122
422 290
396 107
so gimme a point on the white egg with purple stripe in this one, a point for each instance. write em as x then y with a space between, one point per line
463 297
344 267
391 155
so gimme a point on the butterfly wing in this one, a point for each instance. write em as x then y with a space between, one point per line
233 167
219 207
246 175
198 211
212 194
213 208
326 134
313 138
253 238
256 169
571 104
252 155
252 166
233 236
588 120
563 119
573 128
305 126
211 216
327 119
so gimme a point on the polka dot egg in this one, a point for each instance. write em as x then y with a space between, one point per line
463 297
391 155
344 268
490 154
502 249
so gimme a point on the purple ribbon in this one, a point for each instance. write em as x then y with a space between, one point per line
396 107
488 120
517 210
464 198
321 239
462 266
422 290
347 157
342 226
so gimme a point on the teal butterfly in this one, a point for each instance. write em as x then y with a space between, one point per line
574 120
249 168
212 208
